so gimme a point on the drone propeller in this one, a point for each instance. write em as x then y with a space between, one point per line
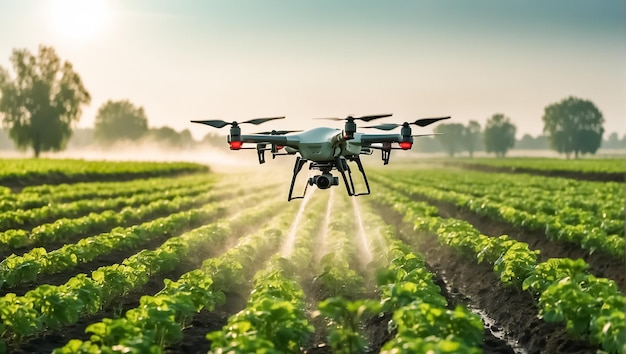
420 122
363 118
221 124
278 132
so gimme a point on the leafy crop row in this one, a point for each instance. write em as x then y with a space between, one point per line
531 193
24 217
338 276
274 318
159 319
32 171
18 269
589 232
54 306
549 164
591 307
134 210
421 320
41 195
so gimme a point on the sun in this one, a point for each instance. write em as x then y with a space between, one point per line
79 19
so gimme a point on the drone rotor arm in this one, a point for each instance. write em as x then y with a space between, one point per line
380 138
267 139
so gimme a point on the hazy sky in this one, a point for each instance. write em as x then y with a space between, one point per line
237 60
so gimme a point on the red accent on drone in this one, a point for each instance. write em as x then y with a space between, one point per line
278 147
236 145
405 145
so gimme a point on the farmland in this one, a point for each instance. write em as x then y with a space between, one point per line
150 258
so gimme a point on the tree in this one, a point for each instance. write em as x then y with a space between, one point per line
186 139
573 125
451 138
119 121
499 134
41 103
471 136
167 136
612 142
527 142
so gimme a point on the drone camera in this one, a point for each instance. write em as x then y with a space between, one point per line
324 181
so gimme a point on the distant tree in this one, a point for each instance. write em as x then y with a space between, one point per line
426 144
214 139
612 142
81 138
527 142
5 141
471 136
41 103
186 139
167 136
451 138
573 125
119 121
499 134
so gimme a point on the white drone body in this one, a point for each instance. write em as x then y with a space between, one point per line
325 148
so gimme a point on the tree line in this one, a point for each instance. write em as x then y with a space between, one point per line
41 103
571 126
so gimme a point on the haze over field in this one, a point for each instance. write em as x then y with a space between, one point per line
243 59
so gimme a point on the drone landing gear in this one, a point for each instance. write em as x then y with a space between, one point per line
325 180
296 169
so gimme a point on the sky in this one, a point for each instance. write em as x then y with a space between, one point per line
237 60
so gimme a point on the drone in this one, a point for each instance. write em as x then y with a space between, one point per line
326 149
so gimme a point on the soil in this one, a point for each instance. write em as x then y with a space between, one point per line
511 315
600 264
512 312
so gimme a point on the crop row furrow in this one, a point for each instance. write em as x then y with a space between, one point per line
159 319
37 262
586 236
337 269
37 171
39 196
51 307
22 218
589 306
66 230
275 318
530 193
113 213
421 319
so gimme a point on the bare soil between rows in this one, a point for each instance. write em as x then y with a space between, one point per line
514 312
600 264
470 284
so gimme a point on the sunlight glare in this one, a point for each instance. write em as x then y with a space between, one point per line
79 19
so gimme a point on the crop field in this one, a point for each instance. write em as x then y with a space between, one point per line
174 258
